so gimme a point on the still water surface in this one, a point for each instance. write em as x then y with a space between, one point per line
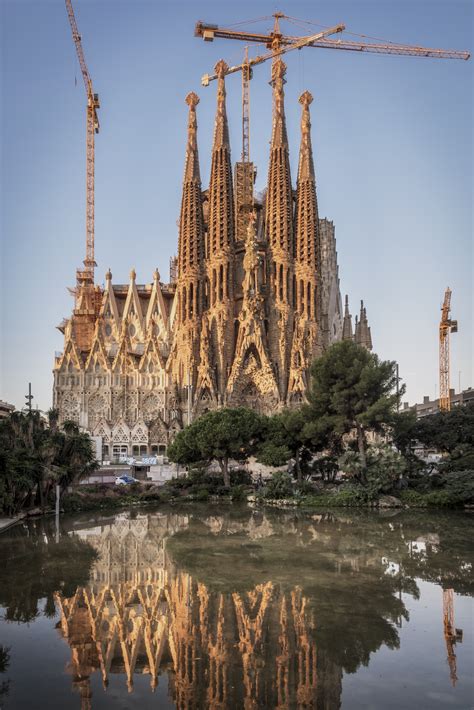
223 608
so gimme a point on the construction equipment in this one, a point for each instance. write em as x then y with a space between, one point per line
86 276
451 634
278 44
446 327
274 40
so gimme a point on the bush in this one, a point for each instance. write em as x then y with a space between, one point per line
305 488
279 486
414 498
238 494
240 477
201 495
348 496
384 468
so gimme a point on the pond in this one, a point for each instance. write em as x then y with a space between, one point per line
207 606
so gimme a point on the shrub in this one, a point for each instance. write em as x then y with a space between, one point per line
348 496
305 488
414 498
240 476
384 468
201 495
279 486
238 494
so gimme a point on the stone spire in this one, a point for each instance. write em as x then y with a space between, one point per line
191 225
190 262
362 335
279 207
307 219
221 200
220 243
347 324
279 234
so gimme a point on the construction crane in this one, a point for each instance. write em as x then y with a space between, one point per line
446 327
274 40
278 44
451 634
86 275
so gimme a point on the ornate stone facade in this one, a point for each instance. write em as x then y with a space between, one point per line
244 314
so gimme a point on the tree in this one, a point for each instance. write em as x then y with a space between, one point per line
351 390
450 432
285 439
447 431
220 435
35 455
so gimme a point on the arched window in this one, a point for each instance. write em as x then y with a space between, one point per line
281 282
214 284
301 297
184 305
308 299
294 292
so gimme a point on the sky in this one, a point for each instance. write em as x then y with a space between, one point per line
392 138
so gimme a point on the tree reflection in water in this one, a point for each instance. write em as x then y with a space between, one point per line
249 609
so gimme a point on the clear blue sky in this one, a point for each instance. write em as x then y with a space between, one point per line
393 150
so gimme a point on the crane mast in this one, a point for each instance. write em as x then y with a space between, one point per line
86 276
446 327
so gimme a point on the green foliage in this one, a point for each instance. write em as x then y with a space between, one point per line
285 439
347 496
448 431
238 494
351 389
304 488
240 477
36 455
220 435
279 486
201 495
384 467
327 467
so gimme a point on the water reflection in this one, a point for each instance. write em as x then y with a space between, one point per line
254 610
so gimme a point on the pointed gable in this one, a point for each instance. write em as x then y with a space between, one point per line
156 319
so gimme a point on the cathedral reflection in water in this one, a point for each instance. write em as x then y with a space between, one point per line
141 614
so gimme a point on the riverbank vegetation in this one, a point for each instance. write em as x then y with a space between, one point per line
347 446
36 455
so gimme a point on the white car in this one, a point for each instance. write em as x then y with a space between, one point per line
125 480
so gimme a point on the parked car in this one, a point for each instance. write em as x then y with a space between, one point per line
125 480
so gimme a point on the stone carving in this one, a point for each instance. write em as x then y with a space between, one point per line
243 315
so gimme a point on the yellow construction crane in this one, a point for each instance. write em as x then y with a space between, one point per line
278 43
86 275
446 327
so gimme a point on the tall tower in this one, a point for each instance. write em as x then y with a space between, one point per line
306 261
220 244
189 305
279 232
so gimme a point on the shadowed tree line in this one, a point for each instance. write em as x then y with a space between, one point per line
34 564
36 455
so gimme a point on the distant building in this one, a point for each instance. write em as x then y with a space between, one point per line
6 409
431 406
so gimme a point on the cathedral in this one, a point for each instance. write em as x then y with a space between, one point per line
253 297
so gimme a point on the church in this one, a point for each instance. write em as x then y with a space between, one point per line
253 297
